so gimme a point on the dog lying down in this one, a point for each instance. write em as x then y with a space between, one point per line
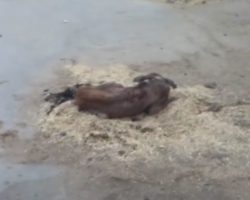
112 100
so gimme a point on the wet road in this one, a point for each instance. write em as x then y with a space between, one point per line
37 34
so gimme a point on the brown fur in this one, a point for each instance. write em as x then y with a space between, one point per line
149 96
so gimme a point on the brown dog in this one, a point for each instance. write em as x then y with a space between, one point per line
149 96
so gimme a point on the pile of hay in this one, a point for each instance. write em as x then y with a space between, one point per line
186 130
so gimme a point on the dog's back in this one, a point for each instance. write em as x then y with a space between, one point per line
117 101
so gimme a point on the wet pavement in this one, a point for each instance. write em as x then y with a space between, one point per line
192 45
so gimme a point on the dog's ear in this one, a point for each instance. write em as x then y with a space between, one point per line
139 79
155 75
147 77
170 82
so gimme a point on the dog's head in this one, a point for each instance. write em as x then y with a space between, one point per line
152 77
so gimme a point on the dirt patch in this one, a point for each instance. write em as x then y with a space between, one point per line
189 132
192 2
